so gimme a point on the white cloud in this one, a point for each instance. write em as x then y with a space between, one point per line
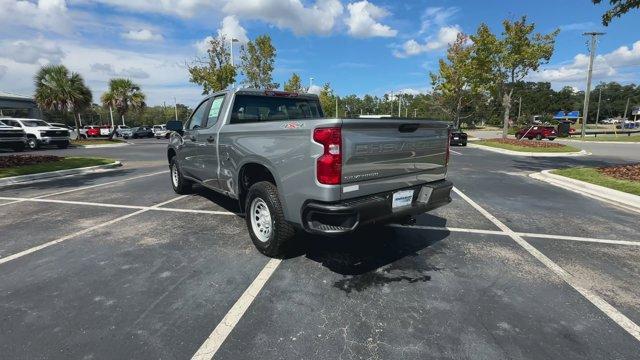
318 18
232 29
363 20
49 15
314 89
3 70
37 51
132 72
203 45
609 66
161 75
437 16
142 35
446 35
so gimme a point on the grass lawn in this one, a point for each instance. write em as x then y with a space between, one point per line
621 138
95 142
523 148
591 175
64 164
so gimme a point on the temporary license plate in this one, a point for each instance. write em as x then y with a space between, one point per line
402 198
456 138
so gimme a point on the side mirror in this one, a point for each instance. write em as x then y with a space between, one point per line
175 125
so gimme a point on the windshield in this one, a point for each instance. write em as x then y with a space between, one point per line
34 123
251 108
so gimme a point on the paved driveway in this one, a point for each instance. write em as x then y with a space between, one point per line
115 265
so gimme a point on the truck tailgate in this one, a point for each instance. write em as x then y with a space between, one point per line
381 155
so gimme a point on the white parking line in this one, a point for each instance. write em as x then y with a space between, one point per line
455 152
91 186
213 342
81 232
627 324
118 206
533 235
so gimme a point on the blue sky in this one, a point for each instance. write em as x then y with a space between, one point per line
359 47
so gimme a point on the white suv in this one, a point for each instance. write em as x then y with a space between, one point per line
160 131
40 132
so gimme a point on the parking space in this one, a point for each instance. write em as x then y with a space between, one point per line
117 265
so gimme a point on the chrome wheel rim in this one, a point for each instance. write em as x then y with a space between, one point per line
175 178
260 219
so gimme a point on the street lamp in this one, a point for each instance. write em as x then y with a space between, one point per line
310 82
231 46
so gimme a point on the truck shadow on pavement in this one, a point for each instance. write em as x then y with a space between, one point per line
74 181
376 256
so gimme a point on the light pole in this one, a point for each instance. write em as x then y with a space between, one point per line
399 104
626 108
310 83
231 52
592 51
175 107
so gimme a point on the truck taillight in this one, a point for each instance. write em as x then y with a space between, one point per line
329 164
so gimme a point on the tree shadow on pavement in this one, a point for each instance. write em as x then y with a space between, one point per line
545 163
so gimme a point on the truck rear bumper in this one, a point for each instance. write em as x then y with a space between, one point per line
346 216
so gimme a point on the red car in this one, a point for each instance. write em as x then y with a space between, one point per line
538 132
92 130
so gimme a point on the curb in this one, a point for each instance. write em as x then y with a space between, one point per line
603 142
621 199
22 179
528 154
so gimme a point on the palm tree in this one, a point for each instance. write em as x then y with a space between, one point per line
124 95
57 89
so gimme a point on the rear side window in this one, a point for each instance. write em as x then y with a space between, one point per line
214 111
249 108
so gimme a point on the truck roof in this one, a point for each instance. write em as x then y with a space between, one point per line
262 92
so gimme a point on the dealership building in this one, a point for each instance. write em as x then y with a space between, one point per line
15 105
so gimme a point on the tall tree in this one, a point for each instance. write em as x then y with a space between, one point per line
453 84
328 101
123 95
214 72
294 84
500 63
619 8
257 59
60 90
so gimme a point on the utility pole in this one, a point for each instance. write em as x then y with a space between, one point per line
415 113
598 112
175 107
592 51
337 107
399 104
310 83
626 108
391 98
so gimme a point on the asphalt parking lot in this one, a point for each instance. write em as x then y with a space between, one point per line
116 265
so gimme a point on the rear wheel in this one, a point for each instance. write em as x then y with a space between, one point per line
538 137
178 182
269 230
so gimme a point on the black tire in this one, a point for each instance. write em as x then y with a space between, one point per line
278 239
518 136
179 184
551 139
32 143
464 143
134 136
63 145
530 137
538 137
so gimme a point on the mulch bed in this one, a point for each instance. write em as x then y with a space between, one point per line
627 172
19 160
527 143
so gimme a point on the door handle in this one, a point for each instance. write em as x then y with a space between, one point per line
211 139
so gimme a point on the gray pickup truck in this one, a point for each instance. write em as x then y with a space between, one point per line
292 169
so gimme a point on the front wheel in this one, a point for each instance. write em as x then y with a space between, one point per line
269 230
180 185
32 143
538 137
